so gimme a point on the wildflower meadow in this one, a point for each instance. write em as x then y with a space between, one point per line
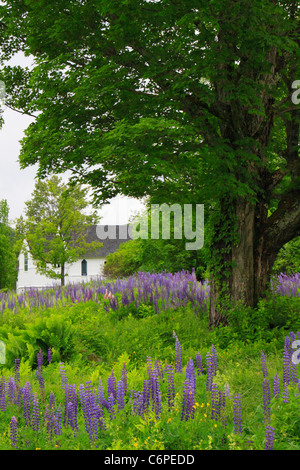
133 365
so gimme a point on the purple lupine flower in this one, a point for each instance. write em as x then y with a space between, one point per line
266 400
49 423
100 418
2 384
149 366
293 371
17 371
111 406
285 394
222 399
237 415
97 421
287 345
35 414
112 385
276 386
41 383
13 432
209 371
157 398
213 352
70 396
264 365
286 366
3 401
138 403
199 364
26 405
88 402
101 398
215 402
49 357
155 391
58 422
72 416
151 374
120 395
124 377
178 363
63 374
159 368
171 386
11 389
146 395
190 373
269 437
52 400
224 421
84 406
188 401
227 390
40 361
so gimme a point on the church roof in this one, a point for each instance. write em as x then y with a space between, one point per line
111 236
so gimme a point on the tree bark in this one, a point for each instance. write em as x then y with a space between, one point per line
246 263
62 275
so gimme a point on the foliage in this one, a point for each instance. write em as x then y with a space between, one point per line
272 318
56 226
94 339
125 261
153 255
8 258
288 259
132 427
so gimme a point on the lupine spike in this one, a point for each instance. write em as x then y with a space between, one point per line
209 371
264 365
13 432
178 363
266 400
199 364
215 402
120 395
237 415
35 414
276 386
269 437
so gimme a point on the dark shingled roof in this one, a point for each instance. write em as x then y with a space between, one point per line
112 241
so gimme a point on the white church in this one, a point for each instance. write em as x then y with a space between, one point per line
87 268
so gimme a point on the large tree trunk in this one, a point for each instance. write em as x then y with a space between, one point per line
245 262
62 275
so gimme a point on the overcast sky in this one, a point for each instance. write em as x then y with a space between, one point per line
16 185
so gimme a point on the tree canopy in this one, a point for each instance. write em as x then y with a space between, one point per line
8 260
181 100
56 225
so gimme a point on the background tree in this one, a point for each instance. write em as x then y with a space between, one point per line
288 259
56 225
8 259
182 100
146 254
152 255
